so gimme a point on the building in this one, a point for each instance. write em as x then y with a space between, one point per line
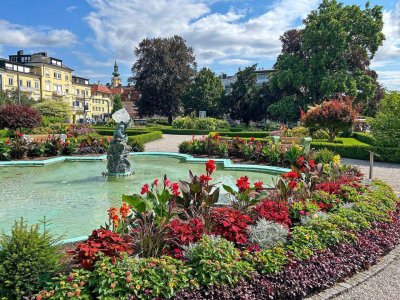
21 78
129 95
82 103
102 102
262 76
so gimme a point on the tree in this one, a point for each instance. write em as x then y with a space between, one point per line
15 117
331 116
204 93
117 105
242 96
162 72
54 111
385 127
330 57
11 97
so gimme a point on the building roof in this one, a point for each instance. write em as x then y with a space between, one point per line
117 91
100 89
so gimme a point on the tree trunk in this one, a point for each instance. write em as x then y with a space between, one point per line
331 135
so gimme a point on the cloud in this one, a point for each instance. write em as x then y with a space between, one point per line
89 60
390 50
71 9
119 25
389 79
24 36
236 61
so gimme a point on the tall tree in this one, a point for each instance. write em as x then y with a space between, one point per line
204 93
11 97
243 94
330 57
117 105
163 70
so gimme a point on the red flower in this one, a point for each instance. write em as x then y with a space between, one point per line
145 189
291 174
300 161
216 136
253 248
292 184
155 182
166 182
243 183
311 163
8 142
252 139
258 185
210 167
175 189
205 178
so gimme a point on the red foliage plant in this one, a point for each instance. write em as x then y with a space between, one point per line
15 117
273 211
182 233
100 241
230 224
333 115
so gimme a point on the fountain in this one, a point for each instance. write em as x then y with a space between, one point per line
118 150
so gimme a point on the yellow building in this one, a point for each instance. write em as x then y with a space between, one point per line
18 77
102 102
81 99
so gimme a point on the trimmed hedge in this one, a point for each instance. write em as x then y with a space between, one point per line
184 131
144 137
364 137
357 151
129 132
243 134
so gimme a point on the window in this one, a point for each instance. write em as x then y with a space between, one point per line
21 83
10 81
47 72
87 93
59 75
28 83
66 77
47 85
262 77
37 85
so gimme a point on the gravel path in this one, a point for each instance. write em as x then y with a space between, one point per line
385 171
168 143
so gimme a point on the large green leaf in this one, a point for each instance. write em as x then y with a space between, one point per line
137 202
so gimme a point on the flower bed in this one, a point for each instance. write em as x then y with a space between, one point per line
320 225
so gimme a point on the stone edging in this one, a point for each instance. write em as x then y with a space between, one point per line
357 279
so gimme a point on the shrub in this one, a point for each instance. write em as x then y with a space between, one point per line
5 150
29 258
53 111
365 138
35 149
320 134
273 211
136 146
18 116
100 241
145 137
199 123
323 156
385 127
333 115
358 151
215 260
297 132
267 234
304 241
141 278
230 224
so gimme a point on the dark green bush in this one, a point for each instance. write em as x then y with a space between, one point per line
245 134
136 146
364 137
29 258
144 138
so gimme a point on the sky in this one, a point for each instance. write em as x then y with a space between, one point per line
89 35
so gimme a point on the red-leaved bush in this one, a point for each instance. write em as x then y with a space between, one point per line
230 224
101 240
273 211
15 117
183 233
333 115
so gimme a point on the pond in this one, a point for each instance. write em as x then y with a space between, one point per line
74 196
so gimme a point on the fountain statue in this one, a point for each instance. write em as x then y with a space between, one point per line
118 150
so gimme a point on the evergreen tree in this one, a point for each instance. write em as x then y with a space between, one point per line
117 105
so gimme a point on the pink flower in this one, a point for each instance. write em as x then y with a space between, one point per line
155 182
175 189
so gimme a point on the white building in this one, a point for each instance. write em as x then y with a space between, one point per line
263 76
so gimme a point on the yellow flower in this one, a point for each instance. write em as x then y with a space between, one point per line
336 160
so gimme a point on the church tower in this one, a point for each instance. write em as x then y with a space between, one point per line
115 81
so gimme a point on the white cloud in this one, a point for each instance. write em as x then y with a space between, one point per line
24 36
390 50
71 9
389 79
119 25
235 61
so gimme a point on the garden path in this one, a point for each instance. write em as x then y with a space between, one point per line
168 143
